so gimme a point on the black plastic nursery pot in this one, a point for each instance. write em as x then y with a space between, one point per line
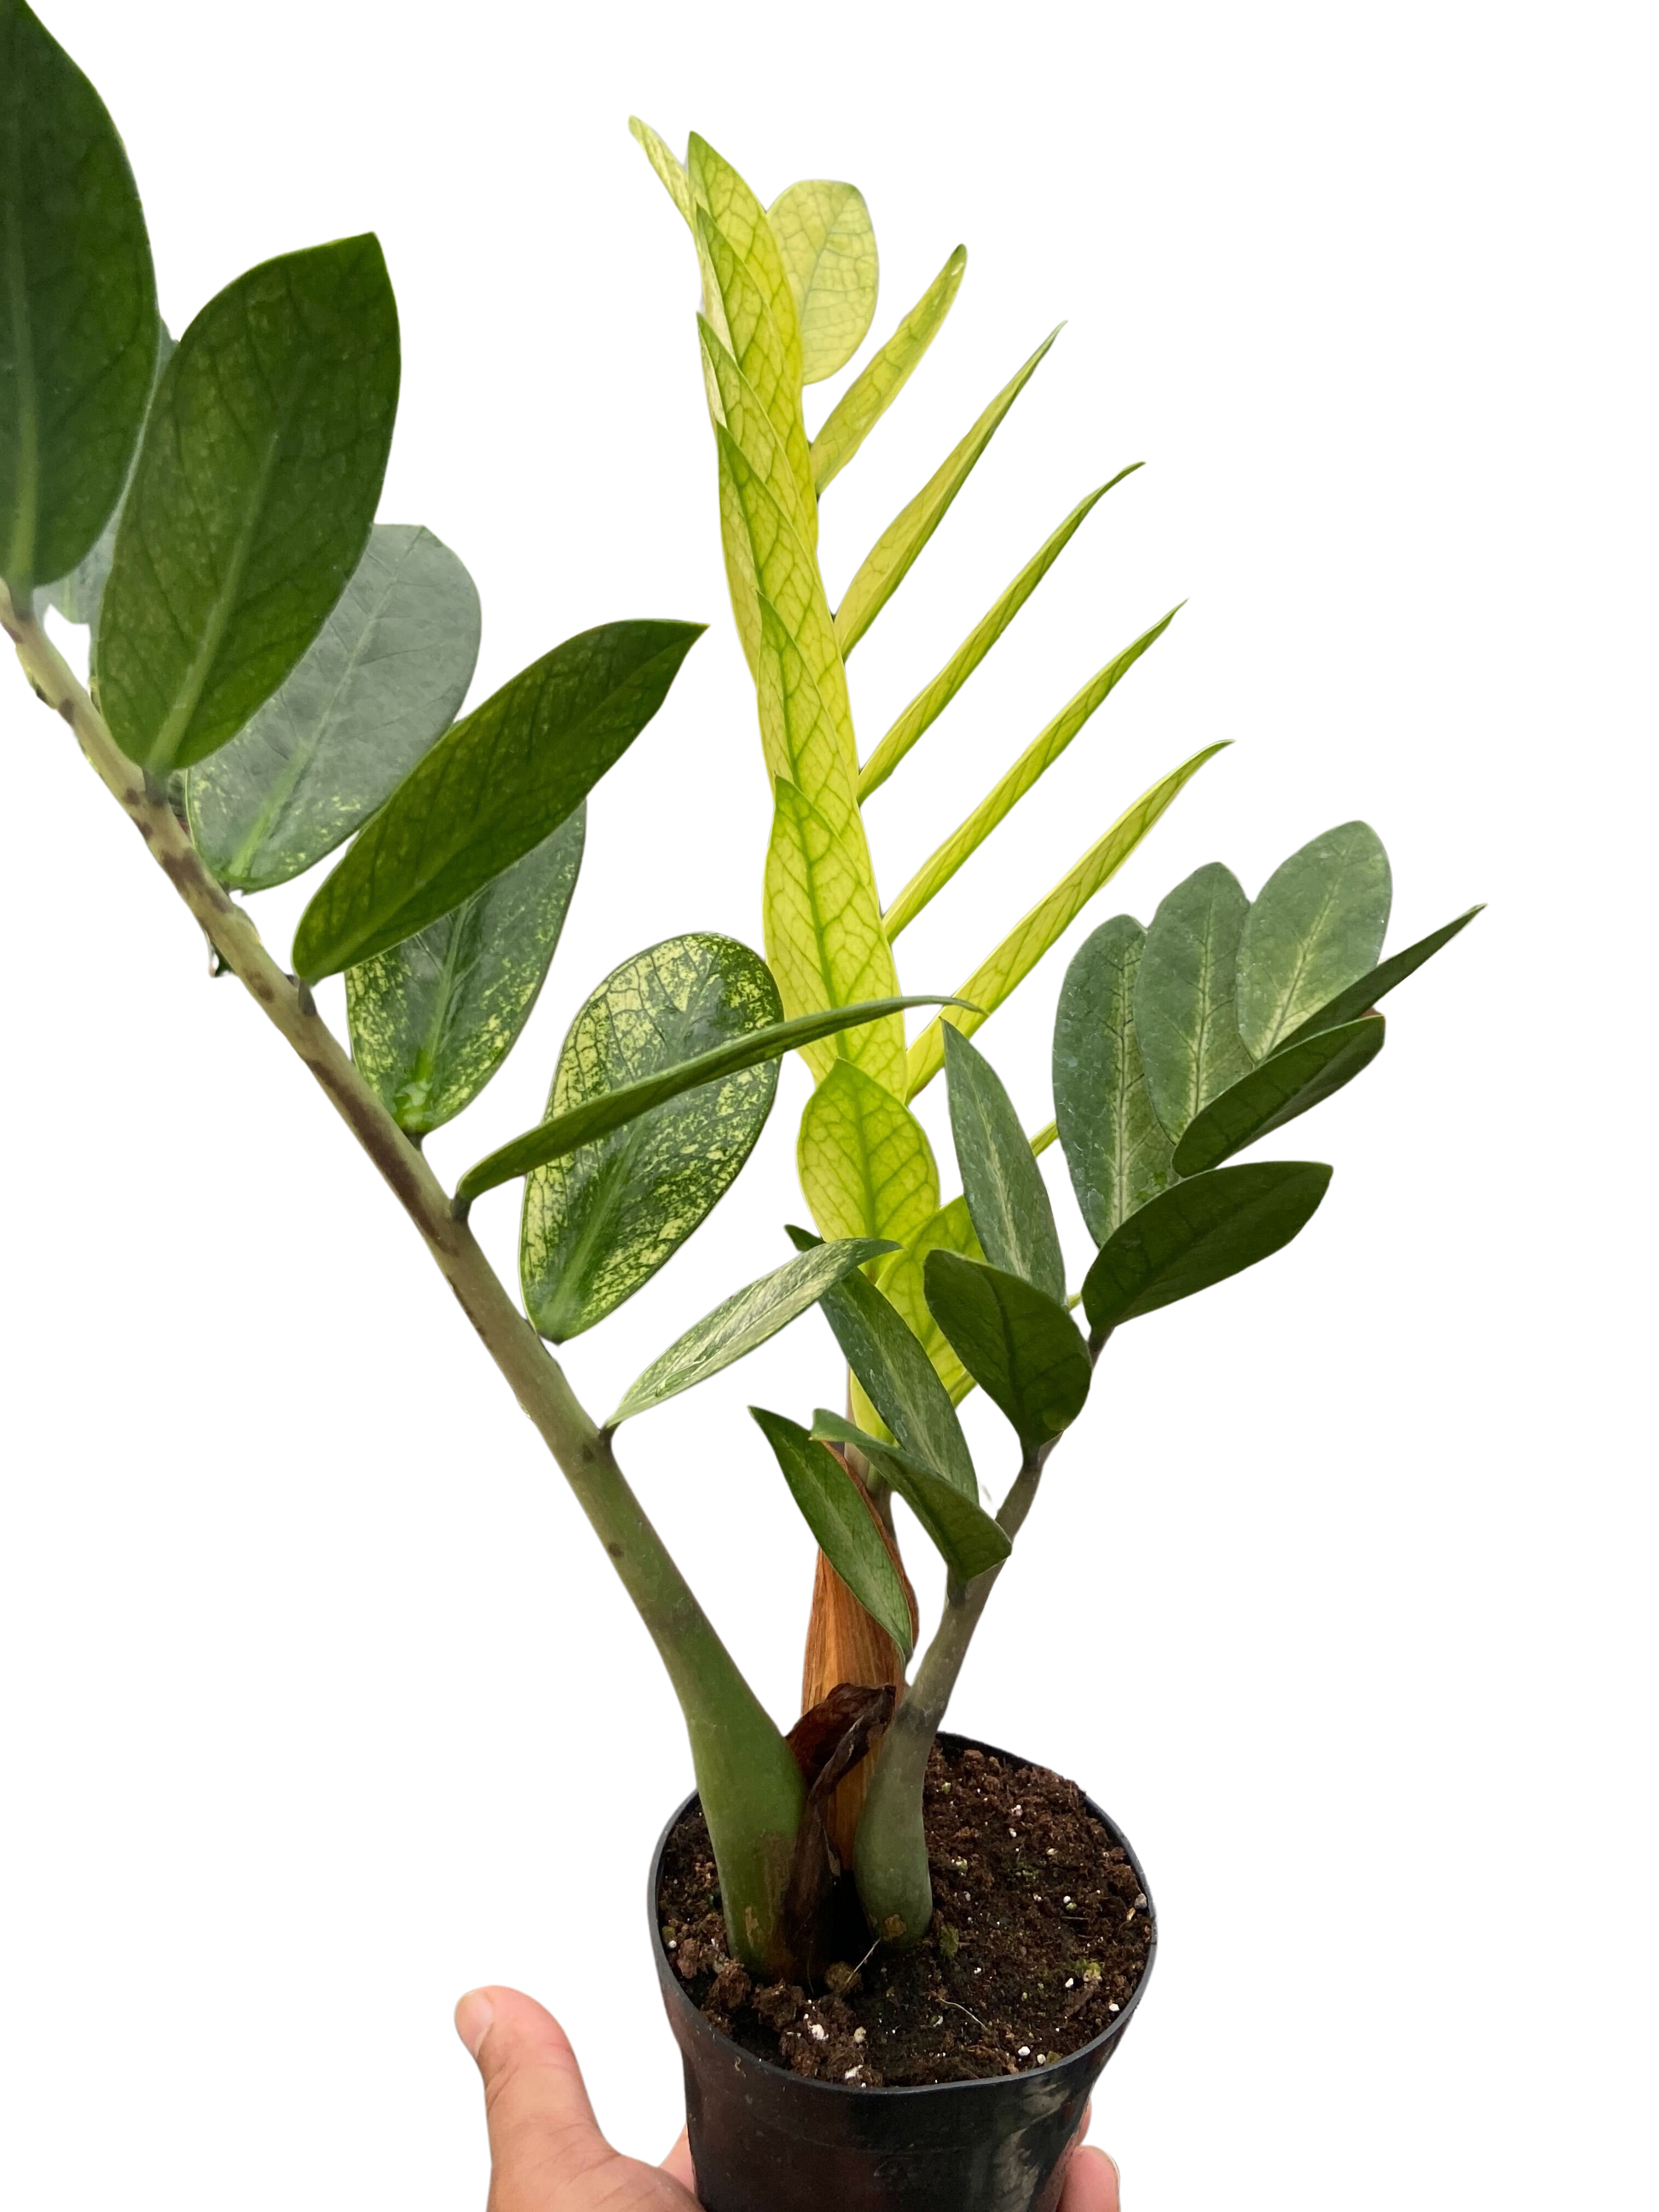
766 2140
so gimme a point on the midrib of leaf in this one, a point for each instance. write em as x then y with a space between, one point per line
426 1059
1288 998
21 563
1206 972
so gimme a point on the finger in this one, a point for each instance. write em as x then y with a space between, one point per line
677 2165
1090 2182
543 2134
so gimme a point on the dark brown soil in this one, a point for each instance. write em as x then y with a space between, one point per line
1040 1935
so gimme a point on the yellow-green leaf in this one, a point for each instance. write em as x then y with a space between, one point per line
669 167
866 1168
741 219
997 977
736 546
828 247
875 386
758 350
823 937
900 1278
740 409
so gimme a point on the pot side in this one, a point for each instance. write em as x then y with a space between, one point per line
766 2140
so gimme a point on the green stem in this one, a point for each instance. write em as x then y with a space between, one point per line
746 1775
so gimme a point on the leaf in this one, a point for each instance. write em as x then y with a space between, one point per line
1185 1021
79 595
1295 1078
866 1168
433 1018
879 383
740 412
78 327
897 1378
889 561
1199 1233
735 212
967 1540
997 977
757 347
1316 928
742 1322
930 702
1038 757
250 505
374 693
1020 1346
498 783
1002 1181
828 247
669 167
610 1109
1360 997
1116 1152
841 1520
600 1221
900 1280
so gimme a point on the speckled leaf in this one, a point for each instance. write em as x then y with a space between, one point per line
828 247
964 1534
1295 1078
996 978
600 1221
1199 1233
840 1517
1360 997
1316 929
250 505
80 595
1002 1181
878 384
380 685
491 789
742 1322
77 324
866 1168
1021 1346
1116 1151
889 559
433 1018
1186 1024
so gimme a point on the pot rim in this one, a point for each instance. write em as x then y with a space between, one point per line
702 2027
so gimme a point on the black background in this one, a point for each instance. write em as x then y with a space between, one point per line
350 1712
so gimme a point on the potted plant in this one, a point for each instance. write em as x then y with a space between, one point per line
895 1961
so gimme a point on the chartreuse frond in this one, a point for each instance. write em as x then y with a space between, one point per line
863 1158
669 167
875 386
758 348
741 220
734 403
828 247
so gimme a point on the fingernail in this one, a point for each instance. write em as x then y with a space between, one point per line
473 2016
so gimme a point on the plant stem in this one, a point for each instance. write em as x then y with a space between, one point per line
746 1775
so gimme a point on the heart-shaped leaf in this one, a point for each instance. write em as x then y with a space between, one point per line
1002 1181
1360 997
843 1522
967 1538
1199 1233
1116 1149
829 246
1185 1022
1021 1347
1316 929
1297 1077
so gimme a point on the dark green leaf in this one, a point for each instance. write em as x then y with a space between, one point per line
376 690
1000 1179
1021 1347
597 1118
1200 1233
600 1221
843 1522
495 786
1359 998
1316 929
433 1018
77 308
1115 1147
745 1319
1297 1077
1184 1018
80 594
250 505
967 1538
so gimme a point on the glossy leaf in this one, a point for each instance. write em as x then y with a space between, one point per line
1359 998
828 247
879 383
600 1221
930 702
1314 930
739 410
889 559
1116 1152
901 1282
598 1116
78 323
251 501
1186 1023
866 1168
1020 1346
738 215
79 595
757 346
668 169
493 789
996 978
1295 1078
964 1534
937 870
1199 1233
433 1018
1002 1181
842 1522
380 685
744 1321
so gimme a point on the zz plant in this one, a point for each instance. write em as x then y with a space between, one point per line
276 675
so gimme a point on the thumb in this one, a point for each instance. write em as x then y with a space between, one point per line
544 2138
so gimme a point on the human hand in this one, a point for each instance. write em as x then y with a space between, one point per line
546 2153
